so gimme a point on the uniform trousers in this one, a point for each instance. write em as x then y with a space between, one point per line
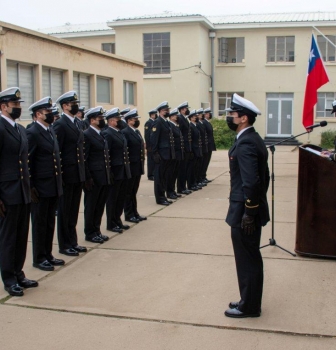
172 174
206 164
249 265
14 228
193 171
150 164
131 205
68 209
43 227
94 204
115 203
203 167
160 180
182 176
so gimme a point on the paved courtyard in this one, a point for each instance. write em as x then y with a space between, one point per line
165 283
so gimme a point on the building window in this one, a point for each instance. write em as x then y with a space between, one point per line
103 90
129 93
156 53
324 104
22 76
52 83
224 101
81 84
280 48
108 47
328 51
231 50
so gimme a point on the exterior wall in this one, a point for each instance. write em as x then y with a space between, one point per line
94 42
256 77
41 51
187 43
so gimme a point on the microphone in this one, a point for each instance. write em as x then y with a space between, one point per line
322 124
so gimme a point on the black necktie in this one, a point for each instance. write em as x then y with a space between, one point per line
50 133
77 123
138 133
17 128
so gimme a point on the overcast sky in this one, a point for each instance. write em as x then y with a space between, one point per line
36 14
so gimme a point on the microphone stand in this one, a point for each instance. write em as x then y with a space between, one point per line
272 241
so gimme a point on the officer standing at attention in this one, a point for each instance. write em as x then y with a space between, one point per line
14 194
248 210
120 168
194 159
136 148
211 142
179 155
148 129
97 175
204 138
183 122
45 183
55 112
162 142
33 121
123 123
71 145
84 123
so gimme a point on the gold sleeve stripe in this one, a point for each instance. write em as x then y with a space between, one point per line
253 206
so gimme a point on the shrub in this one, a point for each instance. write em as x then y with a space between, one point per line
328 138
224 137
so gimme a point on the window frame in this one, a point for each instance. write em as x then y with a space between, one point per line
88 76
327 105
226 54
50 70
109 80
324 51
227 97
126 97
112 51
277 43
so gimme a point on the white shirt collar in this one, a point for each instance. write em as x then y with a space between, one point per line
44 127
241 131
71 118
170 121
10 121
114 128
132 128
96 130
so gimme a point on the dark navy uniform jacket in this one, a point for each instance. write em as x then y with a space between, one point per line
148 129
184 127
161 139
204 137
209 130
71 145
14 170
196 140
178 141
249 179
44 161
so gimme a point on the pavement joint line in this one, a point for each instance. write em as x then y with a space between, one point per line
180 323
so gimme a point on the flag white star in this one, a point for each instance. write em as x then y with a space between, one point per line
311 55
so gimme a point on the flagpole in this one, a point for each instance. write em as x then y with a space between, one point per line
325 37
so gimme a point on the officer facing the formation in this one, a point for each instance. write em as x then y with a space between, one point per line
179 155
97 176
204 138
123 123
183 122
71 145
211 142
148 129
120 168
14 194
162 142
195 156
136 149
45 183
248 210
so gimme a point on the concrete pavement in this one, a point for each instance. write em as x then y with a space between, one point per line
165 283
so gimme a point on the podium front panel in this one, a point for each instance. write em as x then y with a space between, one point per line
316 205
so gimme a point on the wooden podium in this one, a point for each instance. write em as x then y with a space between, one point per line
316 205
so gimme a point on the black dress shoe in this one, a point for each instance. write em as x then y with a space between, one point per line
151 178
163 203
105 238
133 219
95 239
170 202
117 229
178 195
199 187
235 313
207 180
141 218
15 290
80 249
186 192
69 252
26 283
44 266
194 188
56 262
234 304
125 227
172 196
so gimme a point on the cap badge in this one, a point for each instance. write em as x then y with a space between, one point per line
75 97
18 94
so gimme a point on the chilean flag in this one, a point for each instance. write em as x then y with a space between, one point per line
317 77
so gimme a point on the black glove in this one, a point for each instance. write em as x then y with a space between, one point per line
2 209
156 158
89 184
34 195
248 224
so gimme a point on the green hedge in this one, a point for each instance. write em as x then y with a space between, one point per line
224 137
327 139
